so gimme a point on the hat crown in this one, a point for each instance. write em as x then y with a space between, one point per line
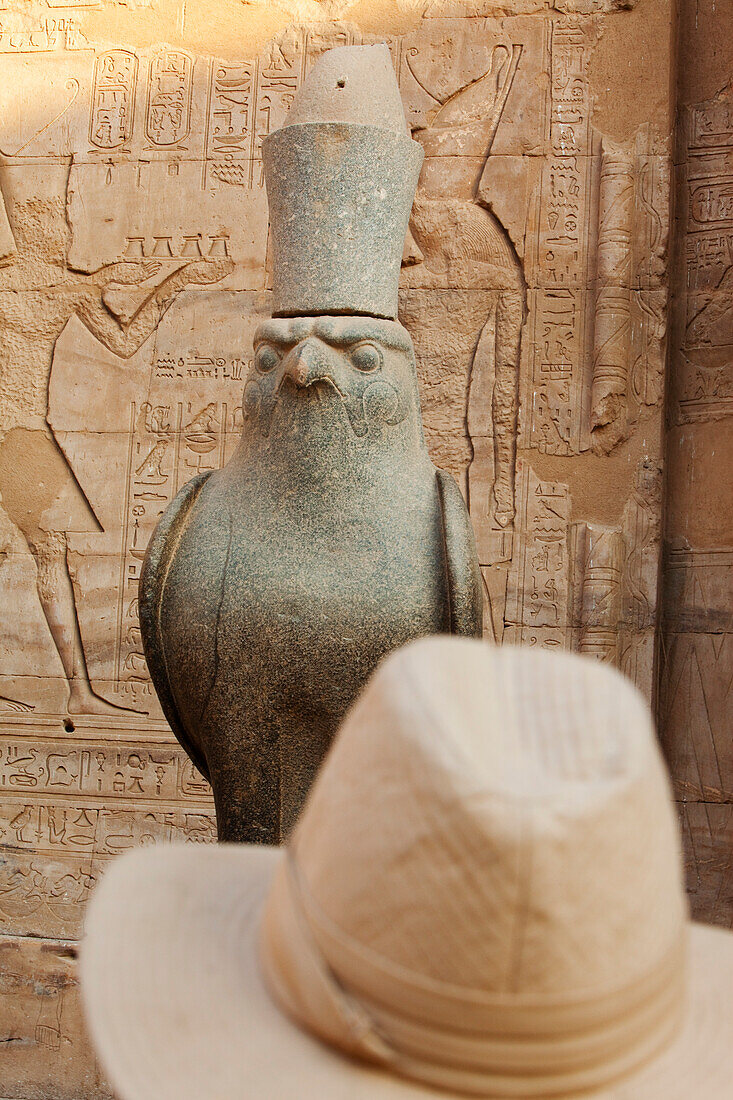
463 835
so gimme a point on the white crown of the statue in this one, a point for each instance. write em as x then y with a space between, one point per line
341 176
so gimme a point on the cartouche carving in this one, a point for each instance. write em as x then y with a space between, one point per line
113 99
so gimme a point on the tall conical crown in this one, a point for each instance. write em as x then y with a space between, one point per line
341 176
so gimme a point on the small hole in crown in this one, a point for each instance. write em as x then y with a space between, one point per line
341 83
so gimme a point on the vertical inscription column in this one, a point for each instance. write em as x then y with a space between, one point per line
558 303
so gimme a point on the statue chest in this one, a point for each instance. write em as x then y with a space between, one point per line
265 590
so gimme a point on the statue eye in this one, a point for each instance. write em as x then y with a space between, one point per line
366 357
266 357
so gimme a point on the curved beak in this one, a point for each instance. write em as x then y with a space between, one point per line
309 361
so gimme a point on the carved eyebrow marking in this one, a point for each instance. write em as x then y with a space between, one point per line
283 332
362 330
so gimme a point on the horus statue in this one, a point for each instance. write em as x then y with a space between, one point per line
273 587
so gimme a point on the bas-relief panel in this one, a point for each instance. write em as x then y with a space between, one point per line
533 286
536 300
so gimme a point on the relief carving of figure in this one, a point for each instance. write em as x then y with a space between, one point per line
48 504
459 246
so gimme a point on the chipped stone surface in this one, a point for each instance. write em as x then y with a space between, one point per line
46 1053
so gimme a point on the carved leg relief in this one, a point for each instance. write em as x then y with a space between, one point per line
494 579
13 704
58 602
505 402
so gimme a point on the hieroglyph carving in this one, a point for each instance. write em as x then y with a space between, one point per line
538 584
597 317
71 802
704 378
558 252
587 586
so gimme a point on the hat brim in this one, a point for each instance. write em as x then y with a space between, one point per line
178 1010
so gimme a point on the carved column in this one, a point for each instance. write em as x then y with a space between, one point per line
598 556
612 332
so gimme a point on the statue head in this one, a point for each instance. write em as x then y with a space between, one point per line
359 370
334 363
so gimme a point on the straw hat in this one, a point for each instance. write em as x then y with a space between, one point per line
482 897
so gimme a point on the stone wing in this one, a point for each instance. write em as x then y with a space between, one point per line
463 576
161 549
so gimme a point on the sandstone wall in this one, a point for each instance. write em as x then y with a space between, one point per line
134 240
